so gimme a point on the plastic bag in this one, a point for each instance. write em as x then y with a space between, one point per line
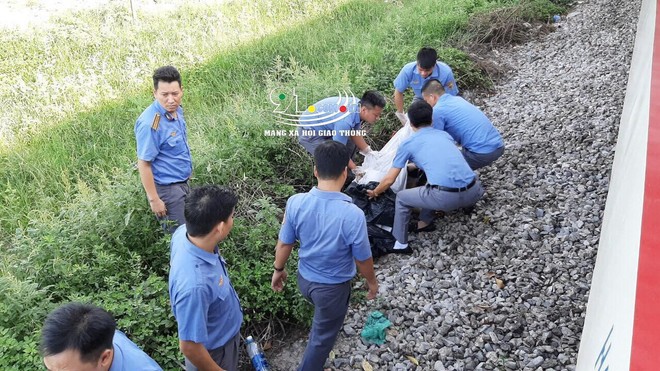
381 241
375 167
379 210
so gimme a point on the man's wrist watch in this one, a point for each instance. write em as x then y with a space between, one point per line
278 269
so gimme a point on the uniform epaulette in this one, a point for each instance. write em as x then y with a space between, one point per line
156 122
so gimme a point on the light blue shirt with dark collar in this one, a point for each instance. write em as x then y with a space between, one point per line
165 146
434 152
203 300
128 357
466 124
328 117
332 232
409 77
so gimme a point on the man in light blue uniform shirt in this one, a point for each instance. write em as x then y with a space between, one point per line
415 74
333 238
340 119
204 302
482 143
84 337
451 182
164 159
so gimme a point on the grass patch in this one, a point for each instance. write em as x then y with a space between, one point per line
75 224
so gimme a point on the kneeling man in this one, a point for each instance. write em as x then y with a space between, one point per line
451 183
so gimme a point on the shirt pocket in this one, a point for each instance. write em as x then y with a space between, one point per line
174 145
222 289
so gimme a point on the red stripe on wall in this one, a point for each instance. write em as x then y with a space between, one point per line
645 352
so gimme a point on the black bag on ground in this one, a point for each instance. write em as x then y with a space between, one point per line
381 241
377 211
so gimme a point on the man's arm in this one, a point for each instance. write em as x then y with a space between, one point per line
282 253
385 183
398 100
147 179
366 269
361 144
198 355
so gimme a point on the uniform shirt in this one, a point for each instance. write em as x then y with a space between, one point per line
409 77
434 152
332 232
204 302
327 117
166 147
466 124
127 356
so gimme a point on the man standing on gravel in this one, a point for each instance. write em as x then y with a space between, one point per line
332 232
451 183
415 74
164 159
482 143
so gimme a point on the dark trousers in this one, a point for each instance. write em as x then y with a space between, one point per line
174 197
330 306
225 356
479 160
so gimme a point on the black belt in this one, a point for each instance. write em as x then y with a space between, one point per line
176 183
449 189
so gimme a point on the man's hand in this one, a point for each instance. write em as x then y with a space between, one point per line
365 150
402 117
277 283
373 290
371 194
158 207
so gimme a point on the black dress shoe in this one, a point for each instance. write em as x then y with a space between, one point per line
407 251
412 227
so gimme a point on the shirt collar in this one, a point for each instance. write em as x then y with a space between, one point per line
117 359
330 195
423 130
163 113
211 258
443 97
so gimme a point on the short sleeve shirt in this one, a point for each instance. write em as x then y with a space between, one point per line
332 232
203 300
434 152
128 357
409 77
165 146
466 124
330 120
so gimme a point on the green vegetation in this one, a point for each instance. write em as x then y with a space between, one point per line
75 224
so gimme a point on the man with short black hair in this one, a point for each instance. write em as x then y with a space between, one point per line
415 74
84 337
482 143
204 302
340 119
451 182
164 159
332 232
